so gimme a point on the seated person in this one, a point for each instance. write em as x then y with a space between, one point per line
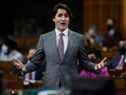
9 49
118 60
34 76
95 56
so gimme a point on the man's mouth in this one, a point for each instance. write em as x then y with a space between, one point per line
63 23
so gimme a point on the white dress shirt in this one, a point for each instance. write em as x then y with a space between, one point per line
65 38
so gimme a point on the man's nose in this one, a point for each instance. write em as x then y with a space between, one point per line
63 17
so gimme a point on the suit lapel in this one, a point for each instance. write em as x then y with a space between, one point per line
69 46
53 45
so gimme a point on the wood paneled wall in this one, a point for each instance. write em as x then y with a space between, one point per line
98 11
124 18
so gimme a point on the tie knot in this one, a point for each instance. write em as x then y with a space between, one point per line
61 34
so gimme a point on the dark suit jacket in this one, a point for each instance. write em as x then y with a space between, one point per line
59 73
114 61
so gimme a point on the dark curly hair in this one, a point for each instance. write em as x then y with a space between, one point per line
61 6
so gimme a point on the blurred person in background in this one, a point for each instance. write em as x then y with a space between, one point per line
93 37
112 35
9 49
34 76
117 61
95 56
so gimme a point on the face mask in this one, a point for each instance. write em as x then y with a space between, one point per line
4 48
122 50
110 27
111 32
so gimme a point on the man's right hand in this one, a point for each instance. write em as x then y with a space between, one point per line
18 63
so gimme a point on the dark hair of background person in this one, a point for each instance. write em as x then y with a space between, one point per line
11 43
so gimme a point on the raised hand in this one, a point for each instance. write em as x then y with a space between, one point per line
101 64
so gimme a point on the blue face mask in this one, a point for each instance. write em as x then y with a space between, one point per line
4 48
111 32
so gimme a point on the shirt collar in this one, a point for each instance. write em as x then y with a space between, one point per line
58 32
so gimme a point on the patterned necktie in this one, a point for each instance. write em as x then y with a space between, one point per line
61 46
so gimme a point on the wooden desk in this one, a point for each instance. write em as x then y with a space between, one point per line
118 73
13 81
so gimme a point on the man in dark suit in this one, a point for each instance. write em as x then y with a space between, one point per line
60 49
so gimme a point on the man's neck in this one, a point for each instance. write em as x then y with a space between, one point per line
61 30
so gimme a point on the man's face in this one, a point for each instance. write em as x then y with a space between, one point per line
61 19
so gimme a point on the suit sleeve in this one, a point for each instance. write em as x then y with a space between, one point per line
38 59
84 61
40 42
